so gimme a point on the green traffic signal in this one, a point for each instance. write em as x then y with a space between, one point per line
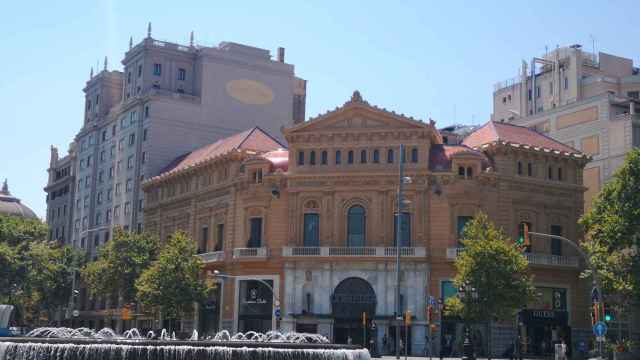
520 240
608 317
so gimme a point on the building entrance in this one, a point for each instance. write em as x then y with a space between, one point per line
350 299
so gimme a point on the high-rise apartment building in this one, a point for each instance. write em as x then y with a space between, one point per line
166 101
587 101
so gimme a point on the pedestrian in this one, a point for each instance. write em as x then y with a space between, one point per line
517 348
349 341
384 343
427 346
563 350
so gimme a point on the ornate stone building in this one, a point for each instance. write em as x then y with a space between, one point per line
316 223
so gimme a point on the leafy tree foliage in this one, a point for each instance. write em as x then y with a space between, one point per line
120 263
35 275
612 226
495 267
173 282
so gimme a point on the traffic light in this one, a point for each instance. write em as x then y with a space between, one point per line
608 314
595 313
523 236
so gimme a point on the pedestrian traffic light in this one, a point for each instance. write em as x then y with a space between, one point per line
595 313
407 318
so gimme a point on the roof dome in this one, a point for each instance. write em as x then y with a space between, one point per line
11 205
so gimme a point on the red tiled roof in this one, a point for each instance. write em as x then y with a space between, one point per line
279 159
440 155
498 131
253 139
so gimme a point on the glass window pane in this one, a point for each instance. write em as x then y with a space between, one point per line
311 230
356 226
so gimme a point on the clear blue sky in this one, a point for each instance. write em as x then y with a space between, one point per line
421 58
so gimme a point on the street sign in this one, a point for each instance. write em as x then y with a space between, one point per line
277 313
600 338
432 301
595 295
600 329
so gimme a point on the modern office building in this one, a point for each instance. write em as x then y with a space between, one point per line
316 222
587 101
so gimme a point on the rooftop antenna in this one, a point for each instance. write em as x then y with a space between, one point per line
593 44
105 63
91 73
191 39
130 42
149 30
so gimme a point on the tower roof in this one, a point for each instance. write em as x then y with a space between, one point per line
11 205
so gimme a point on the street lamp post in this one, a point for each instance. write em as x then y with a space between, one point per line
402 180
467 294
276 304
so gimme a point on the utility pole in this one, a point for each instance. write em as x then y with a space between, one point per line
398 235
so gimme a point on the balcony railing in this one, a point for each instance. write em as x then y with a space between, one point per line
250 253
326 251
210 257
533 258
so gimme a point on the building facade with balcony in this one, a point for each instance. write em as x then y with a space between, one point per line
316 221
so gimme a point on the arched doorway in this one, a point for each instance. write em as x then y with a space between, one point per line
350 299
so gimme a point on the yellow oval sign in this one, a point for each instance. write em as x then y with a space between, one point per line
250 92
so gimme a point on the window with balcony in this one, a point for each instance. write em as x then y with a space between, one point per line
311 230
204 238
461 223
220 237
356 226
556 244
405 230
255 234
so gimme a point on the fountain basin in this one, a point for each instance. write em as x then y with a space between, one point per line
126 349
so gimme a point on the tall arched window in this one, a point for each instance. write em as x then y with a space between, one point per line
356 226
376 156
311 230
323 157
405 229
363 156
469 172
390 156
414 155
350 157
519 168
312 158
301 158
338 157
529 169
461 171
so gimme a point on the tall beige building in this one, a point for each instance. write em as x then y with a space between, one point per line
587 101
167 100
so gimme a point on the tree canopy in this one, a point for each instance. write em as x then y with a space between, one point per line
120 263
173 282
612 228
495 267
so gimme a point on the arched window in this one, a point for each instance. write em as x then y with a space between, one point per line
519 168
300 157
405 230
469 172
338 157
356 225
390 156
350 157
323 157
311 230
376 156
529 169
414 155
461 171
312 158
363 156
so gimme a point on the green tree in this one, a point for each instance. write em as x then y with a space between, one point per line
173 282
15 230
120 263
612 226
496 268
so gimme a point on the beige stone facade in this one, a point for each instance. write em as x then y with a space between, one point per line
316 222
